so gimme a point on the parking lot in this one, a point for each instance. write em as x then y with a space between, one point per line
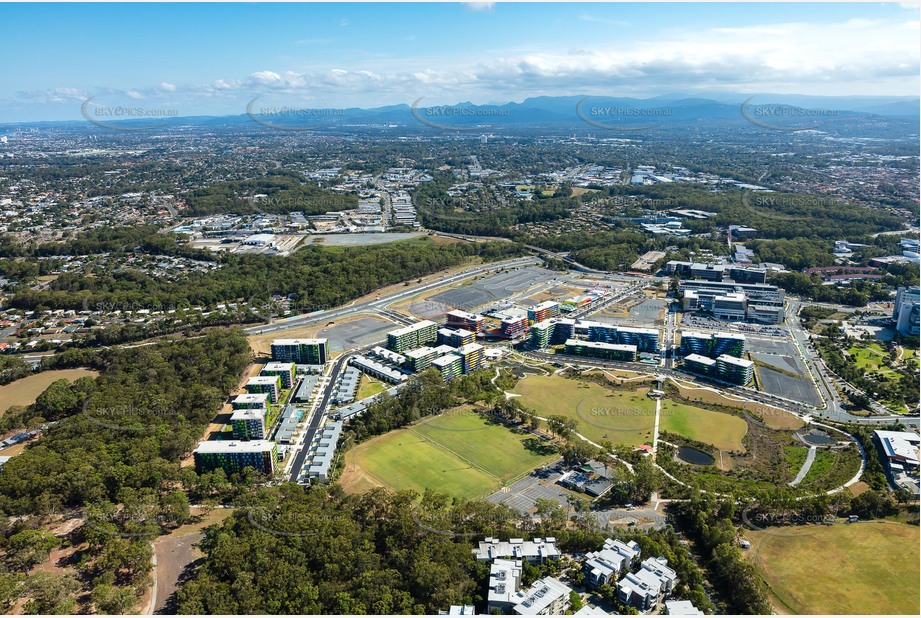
521 495
492 288
357 332
786 359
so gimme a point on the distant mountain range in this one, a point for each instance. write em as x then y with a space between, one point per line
773 110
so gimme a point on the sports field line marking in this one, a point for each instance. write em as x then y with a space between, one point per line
458 455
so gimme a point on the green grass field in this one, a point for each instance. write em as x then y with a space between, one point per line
870 358
626 417
623 417
369 387
723 431
863 568
459 454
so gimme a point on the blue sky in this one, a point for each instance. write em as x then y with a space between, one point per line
214 58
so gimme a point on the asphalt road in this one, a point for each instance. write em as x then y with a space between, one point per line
383 301
318 417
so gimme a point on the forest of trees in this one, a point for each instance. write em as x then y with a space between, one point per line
311 276
284 193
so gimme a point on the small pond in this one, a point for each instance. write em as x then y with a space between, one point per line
819 438
695 456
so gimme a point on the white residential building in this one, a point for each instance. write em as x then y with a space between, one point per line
546 597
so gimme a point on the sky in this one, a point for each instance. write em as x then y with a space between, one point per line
194 59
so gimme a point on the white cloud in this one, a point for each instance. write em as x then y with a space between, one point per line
479 6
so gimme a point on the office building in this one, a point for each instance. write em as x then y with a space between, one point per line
600 350
471 357
455 337
450 366
760 292
235 455
468 321
748 275
412 336
301 351
283 370
906 312
543 311
734 370
248 424
269 385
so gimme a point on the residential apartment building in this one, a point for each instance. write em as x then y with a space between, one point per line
301 351
377 370
248 424
600 350
468 321
283 370
450 366
504 580
535 551
543 311
613 559
546 597
696 363
540 335
412 336
235 455
734 370
269 385
455 337
471 357
250 401
647 586
420 359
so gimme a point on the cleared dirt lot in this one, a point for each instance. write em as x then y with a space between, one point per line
26 390
176 552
